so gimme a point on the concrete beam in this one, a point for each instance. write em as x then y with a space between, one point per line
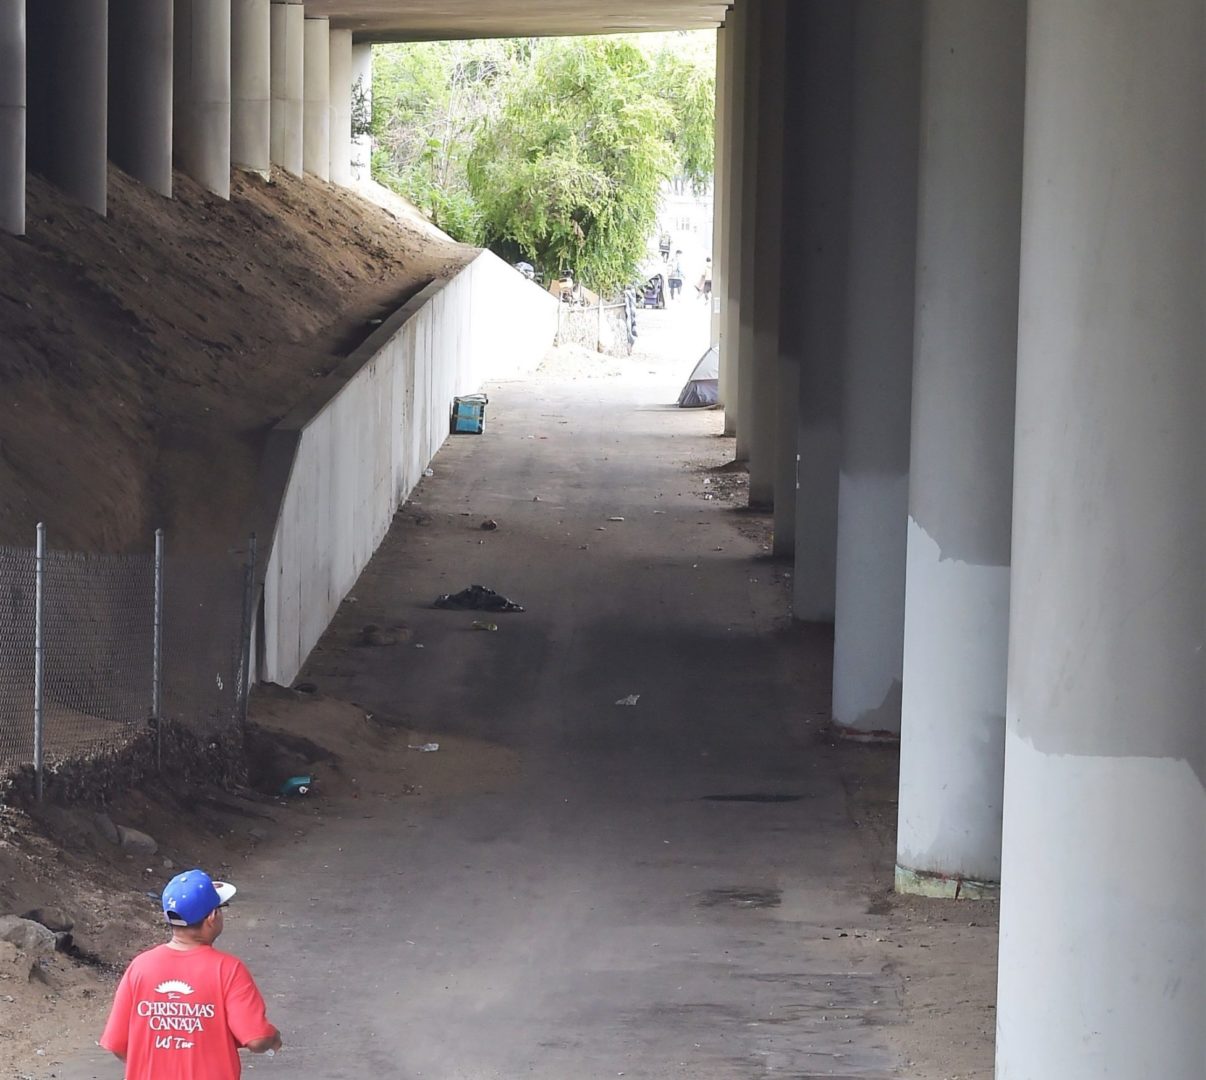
288 60
961 468
140 91
816 224
341 107
1103 941
68 104
12 116
316 116
251 85
878 366
203 103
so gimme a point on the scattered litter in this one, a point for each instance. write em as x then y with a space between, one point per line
631 699
425 748
297 785
305 688
615 518
478 624
535 498
429 472
489 525
600 528
375 636
477 598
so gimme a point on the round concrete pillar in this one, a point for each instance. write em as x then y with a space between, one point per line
746 237
203 92
362 110
68 105
251 85
873 493
341 107
288 57
719 192
952 747
12 116
816 229
767 262
729 264
1103 941
316 121
140 90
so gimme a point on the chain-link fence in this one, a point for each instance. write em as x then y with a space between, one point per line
96 650
605 328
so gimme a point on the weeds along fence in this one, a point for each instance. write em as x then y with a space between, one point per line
602 327
97 651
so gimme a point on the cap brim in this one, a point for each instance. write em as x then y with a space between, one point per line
225 891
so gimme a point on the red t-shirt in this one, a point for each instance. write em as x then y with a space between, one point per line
183 1014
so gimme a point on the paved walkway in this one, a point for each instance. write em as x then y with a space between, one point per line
613 911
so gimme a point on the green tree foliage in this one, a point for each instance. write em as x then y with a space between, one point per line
551 150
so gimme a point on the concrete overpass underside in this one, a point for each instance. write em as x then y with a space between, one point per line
960 269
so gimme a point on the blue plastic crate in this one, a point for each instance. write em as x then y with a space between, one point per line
469 414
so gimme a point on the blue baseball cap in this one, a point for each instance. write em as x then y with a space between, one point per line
189 897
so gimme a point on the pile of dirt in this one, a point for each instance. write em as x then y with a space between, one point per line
138 351
63 856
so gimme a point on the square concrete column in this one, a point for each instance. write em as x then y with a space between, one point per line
288 60
251 85
952 750
816 231
202 107
341 107
140 90
1103 936
873 496
67 79
12 116
736 89
362 111
316 117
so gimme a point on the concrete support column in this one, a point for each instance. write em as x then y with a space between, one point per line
877 377
140 90
1103 941
316 117
251 85
362 110
952 753
767 264
68 105
746 255
203 92
728 264
341 107
719 189
12 116
816 225
288 58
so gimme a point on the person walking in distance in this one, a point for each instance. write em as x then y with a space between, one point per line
676 275
184 1010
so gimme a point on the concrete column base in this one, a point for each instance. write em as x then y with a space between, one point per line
12 116
941 887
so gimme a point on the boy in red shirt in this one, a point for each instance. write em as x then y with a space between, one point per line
183 1010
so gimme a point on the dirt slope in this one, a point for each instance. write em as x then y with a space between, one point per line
143 357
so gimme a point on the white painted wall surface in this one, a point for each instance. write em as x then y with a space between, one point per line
358 455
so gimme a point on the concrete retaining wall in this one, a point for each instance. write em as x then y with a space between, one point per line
339 465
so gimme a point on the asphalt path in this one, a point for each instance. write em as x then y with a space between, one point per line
664 889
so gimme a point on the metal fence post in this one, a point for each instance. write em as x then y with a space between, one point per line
560 305
599 331
248 622
39 578
157 653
